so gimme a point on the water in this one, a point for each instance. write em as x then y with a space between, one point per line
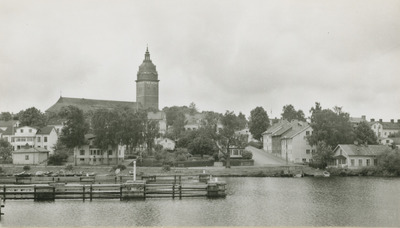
342 201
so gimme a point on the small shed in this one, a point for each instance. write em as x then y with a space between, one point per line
30 156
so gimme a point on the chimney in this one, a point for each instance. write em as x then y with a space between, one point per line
392 121
380 120
372 120
364 118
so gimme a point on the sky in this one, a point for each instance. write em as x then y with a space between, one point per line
222 55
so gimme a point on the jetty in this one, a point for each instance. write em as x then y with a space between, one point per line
123 188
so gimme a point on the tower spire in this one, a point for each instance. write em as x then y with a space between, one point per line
147 54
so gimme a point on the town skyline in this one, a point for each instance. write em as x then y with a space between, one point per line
218 55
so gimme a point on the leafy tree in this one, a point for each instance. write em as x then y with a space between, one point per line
5 151
75 127
105 125
227 137
209 124
394 135
151 132
259 122
131 127
332 127
289 113
32 117
60 155
192 109
178 125
323 155
242 120
202 145
389 160
6 116
364 134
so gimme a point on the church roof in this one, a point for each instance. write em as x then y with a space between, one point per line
87 105
147 70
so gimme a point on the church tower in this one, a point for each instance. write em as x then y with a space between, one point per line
147 84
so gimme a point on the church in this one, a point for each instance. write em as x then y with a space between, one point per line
147 94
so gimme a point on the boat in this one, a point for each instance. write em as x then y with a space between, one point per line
326 174
298 175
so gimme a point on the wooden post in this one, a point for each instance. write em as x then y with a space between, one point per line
180 191
4 193
54 193
1 205
115 179
180 179
83 193
144 191
34 193
174 179
120 193
173 191
91 192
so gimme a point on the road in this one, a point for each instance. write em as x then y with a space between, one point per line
262 158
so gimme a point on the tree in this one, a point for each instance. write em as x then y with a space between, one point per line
32 117
323 155
202 145
289 113
106 126
151 132
60 155
6 116
242 120
332 127
178 125
259 122
75 127
227 137
364 134
5 151
131 127
389 160
192 108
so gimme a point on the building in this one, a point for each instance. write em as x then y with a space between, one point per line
383 129
88 154
272 137
246 131
294 144
147 84
161 118
30 156
355 156
32 137
166 143
8 124
355 121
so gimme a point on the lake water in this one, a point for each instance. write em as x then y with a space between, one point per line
335 201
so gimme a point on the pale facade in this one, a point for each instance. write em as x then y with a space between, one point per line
90 155
167 144
295 147
30 156
357 156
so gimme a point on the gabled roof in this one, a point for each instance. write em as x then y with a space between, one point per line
362 150
295 131
194 119
8 123
9 131
87 105
45 130
31 150
387 125
276 127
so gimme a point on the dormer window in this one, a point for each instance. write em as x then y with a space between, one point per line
22 130
30 130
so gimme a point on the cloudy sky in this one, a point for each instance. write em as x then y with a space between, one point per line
221 55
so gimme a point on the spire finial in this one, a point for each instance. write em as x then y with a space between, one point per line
147 54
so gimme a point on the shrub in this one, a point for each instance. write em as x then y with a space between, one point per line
69 167
181 157
57 159
120 167
257 145
247 154
26 168
166 168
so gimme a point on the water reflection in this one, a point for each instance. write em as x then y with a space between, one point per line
351 201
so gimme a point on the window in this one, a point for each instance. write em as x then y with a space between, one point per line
307 151
368 162
30 130
22 130
352 162
375 162
307 133
304 160
359 162
110 152
313 151
45 139
387 141
26 157
82 152
38 139
82 159
45 147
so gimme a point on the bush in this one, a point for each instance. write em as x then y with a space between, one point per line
247 154
181 157
166 168
27 168
120 167
69 167
257 145
57 159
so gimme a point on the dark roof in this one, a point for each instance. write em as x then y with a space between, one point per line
8 123
388 125
363 150
45 130
147 70
295 131
276 127
31 150
87 105
9 131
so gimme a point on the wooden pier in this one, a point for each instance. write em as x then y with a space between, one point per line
176 186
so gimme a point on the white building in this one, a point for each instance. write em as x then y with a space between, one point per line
30 156
294 144
166 143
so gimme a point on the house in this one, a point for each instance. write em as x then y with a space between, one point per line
161 118
389 141
294 144
271 137
30 156
8 124
33 137
383 129
193 122
246 131
89 154
166 143
355 121
355 156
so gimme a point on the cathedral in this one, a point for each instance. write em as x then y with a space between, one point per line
147 93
